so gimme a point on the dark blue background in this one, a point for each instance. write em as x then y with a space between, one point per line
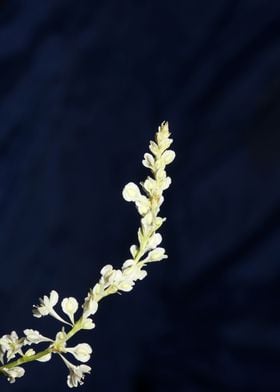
83 87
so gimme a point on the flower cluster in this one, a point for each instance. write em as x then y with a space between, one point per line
15 351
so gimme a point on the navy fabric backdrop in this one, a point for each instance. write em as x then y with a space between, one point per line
83 87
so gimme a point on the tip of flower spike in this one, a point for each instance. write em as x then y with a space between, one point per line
164 124
164 127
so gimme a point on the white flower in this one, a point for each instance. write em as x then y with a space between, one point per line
29 352
70 306
13 373
87 323
168 156
97 290
90 306
143 205
81 352
154 148
148 161
159 221
166 183
133 250
11 345
126 285
147 221
76 373
132 271
110 276
94 294
131 192
3 348
60 341
106 270
150 185
46 307
154 241
34 337
156 254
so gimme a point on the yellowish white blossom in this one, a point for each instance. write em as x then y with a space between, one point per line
13 373
131 192
34 337
156 254
60 341
81 352
10 345
70 306
90 305
46 307
76 373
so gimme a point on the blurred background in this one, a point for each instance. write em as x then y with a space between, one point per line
84 86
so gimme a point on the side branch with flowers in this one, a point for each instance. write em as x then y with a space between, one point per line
15 351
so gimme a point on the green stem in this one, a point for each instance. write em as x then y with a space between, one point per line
25 359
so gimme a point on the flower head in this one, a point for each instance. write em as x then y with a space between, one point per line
81 352
70 307
34 337
10 345
76 373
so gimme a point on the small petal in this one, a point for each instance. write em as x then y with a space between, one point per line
90 306
128 263
148 161
97 290
154 241
166 183
106 270
53 298
157 254
126 286
133 250
143 205
147 220
150 185
29 352
45 358
154 148
87 323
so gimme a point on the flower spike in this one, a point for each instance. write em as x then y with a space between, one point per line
148 198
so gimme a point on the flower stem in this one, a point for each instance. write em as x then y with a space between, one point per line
26 359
